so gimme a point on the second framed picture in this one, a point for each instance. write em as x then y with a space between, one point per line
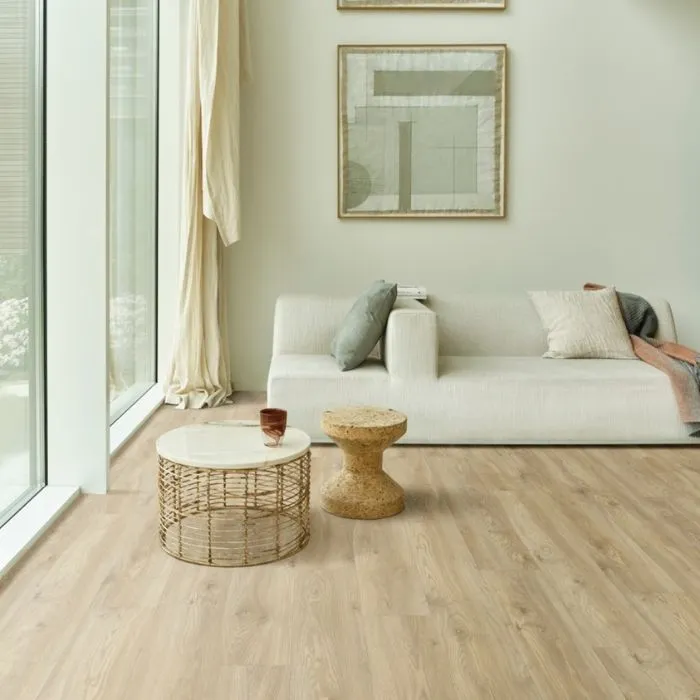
422 131
422 4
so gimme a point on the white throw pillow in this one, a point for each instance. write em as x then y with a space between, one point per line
585 324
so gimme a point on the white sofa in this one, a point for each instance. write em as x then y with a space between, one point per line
468 370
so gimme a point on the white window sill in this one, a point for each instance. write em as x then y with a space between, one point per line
120 403
25 528
35 518
132 419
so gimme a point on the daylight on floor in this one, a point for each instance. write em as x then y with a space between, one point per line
349 349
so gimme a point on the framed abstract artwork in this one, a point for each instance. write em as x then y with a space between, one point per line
422 4
422 131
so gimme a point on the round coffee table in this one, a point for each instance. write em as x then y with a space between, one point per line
362 489
227 500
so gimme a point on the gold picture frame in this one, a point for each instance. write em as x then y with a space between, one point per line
422 131
422 4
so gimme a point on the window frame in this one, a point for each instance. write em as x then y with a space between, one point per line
37 329
78 441
135 394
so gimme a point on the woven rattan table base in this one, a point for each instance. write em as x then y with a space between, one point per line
222 517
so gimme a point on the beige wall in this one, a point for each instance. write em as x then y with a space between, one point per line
604 161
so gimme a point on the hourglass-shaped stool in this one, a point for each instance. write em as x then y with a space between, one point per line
362 489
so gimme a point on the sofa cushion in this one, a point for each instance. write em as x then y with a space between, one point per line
532 399
307 385
591 372
323 367
583 324
491 400
363 326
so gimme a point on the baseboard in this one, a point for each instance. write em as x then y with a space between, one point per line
29 524
131 420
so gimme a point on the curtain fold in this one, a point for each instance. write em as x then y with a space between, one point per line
217 61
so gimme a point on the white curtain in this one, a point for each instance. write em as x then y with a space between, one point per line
217 61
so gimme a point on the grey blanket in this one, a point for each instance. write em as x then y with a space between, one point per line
640 318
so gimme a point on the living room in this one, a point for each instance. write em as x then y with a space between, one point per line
369 371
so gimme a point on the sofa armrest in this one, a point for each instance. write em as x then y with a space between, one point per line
411 341
667 324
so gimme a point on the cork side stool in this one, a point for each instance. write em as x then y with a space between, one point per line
362 489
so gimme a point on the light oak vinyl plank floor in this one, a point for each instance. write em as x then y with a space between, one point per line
514 573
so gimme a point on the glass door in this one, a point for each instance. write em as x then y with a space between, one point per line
133 148
22 463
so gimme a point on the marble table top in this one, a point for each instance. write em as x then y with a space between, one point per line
229 445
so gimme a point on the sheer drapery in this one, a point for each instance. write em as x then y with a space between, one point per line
217 60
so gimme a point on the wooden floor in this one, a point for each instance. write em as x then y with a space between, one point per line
513 574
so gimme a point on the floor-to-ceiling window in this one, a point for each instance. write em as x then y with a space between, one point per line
22 463
133 196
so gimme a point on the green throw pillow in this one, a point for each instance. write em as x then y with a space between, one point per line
363 326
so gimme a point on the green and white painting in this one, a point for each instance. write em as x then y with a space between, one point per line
422 131
422 4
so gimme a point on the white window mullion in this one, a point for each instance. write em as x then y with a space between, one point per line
173 17
77 244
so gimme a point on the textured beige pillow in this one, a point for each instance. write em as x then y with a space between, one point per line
583 324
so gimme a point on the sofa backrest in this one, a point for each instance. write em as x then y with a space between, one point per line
468 324
505 325
306 324
484 325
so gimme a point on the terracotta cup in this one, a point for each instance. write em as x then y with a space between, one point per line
273 423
